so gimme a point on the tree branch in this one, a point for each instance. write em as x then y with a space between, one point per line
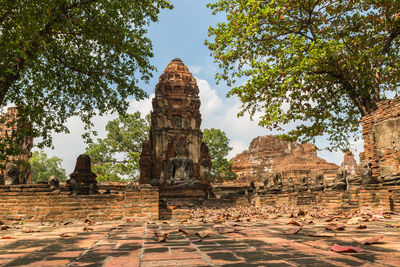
351 92
395 33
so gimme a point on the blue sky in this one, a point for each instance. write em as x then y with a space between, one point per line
181 33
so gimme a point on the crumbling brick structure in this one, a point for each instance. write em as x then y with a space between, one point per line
381 134
41 203
269 154
10 129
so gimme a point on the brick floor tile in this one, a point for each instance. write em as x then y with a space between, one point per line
121 261
68 254
191 262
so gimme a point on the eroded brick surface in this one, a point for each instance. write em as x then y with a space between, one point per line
268 154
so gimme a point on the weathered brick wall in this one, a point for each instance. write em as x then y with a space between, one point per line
36 203
380 131
369 197
9 129
10 133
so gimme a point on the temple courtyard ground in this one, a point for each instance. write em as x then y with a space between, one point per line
210 238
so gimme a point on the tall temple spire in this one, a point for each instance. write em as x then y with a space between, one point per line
175 154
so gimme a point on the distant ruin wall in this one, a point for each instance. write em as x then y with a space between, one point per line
381 134
375 198
38 203
369 197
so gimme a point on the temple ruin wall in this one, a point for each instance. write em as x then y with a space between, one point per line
38 203
381 134
361 198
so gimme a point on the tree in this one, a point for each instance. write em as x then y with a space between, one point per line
319 63
116 157
218 146
43 167
63 58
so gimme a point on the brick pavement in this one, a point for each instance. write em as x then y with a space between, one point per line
260 243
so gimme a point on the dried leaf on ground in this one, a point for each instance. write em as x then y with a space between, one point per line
370 240
338 248
362 226
8 237
196 240
87 228
376 217
5 227
294 223
204 233
163 238
393 225
301 213
336 227
67 235
66 223
157 233
294 230
88 221
183 231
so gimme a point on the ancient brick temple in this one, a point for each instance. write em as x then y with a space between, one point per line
175 155
381 134
268 155
9 129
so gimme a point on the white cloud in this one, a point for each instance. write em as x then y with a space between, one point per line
210 102
222 114
237 147
195 70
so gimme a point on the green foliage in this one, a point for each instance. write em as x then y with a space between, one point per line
116 157
218 146
319 63
61 58
43 167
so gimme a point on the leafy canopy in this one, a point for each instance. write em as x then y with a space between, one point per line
319 63
116 157
218 146
61 58
43 167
